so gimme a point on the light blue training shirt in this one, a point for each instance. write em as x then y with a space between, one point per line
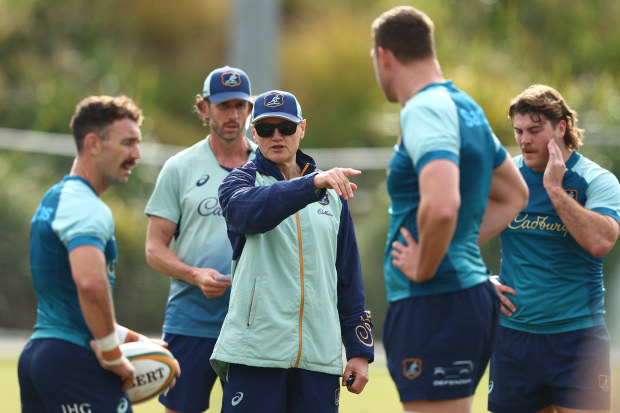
69 215
441 122
559 285
186 194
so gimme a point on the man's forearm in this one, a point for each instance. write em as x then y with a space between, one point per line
594 232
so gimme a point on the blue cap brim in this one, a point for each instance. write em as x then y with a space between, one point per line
282 115
221 97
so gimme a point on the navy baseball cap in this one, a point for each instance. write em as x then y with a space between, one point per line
227 83
277 104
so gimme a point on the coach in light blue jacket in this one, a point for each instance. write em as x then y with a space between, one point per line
297 290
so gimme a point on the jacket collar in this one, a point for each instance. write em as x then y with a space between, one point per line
266 167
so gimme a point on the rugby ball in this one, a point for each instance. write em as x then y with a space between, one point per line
155 369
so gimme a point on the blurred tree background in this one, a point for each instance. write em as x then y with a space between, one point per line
53 53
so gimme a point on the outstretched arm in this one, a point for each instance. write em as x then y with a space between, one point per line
337 179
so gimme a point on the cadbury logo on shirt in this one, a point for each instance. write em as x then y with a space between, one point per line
536 222
210 206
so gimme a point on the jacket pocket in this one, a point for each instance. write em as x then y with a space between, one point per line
252 309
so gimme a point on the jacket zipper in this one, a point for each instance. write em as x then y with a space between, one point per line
301 277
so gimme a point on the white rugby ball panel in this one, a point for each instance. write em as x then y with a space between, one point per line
155 369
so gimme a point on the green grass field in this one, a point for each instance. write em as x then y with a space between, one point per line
378 396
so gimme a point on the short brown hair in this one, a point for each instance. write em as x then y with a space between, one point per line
96 113
541 100
406 31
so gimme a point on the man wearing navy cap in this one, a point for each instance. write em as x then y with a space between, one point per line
297 292
184 205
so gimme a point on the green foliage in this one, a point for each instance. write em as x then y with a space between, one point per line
56 52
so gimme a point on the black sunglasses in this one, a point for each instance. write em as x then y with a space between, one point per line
266 130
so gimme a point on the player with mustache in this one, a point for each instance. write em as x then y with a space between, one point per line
552 351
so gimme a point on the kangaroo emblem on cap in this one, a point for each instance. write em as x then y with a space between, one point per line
231 79
276 100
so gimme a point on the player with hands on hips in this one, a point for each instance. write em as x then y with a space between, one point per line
452 186
554 357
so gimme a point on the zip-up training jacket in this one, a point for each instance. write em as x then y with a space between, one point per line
297 291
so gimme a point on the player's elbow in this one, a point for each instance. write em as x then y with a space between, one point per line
522 195
150 252
519 197
420 277
600 249
91 290
445 213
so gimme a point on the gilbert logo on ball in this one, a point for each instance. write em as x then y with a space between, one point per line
155 369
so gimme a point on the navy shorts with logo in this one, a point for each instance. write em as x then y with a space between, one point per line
192 390
438 346
59 376
532 371
274 390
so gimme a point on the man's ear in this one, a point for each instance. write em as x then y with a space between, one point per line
92 143
203 107
385 57
561 128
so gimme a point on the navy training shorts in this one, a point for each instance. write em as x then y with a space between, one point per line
438 346
532 371
192 390
59 376
276 390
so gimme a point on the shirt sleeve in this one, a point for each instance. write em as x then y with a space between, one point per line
603 195
430 127
164 201
82 220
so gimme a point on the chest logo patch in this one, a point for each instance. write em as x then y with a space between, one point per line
203 180
325 200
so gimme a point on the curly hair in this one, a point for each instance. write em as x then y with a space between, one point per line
544 101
